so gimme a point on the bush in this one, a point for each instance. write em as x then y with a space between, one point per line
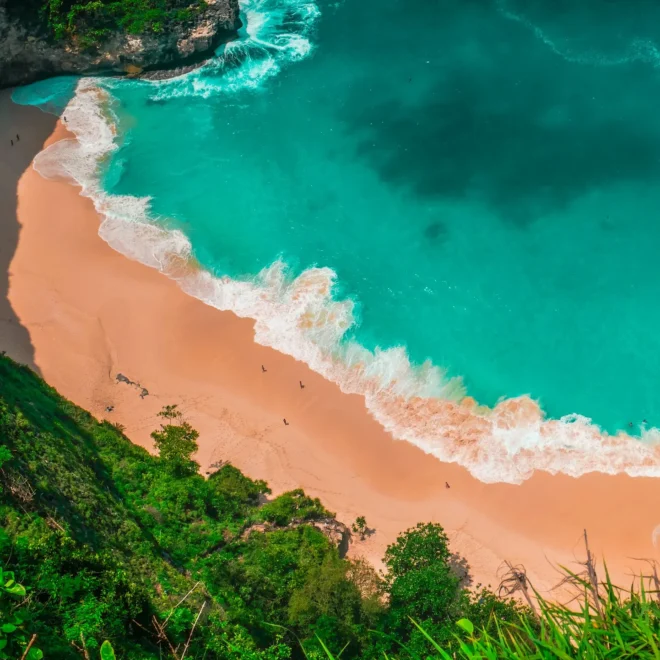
92 21
293 506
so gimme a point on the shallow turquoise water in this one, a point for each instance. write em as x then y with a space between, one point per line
483 177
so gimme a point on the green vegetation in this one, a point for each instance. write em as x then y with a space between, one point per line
103 547
609 623
360 528
14 641
90 21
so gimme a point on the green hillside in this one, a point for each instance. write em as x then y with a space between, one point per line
91 20
102 541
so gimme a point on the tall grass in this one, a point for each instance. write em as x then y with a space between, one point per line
602 622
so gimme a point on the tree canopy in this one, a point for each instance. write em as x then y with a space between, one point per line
111 543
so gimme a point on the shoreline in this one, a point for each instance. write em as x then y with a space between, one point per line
92 313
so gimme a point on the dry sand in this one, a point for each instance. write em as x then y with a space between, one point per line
90 313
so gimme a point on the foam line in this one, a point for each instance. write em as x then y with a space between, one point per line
276 33
638 50
301 317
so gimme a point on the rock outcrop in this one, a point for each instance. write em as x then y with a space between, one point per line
26 55
336 532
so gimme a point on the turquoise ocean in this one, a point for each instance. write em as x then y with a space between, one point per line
422 199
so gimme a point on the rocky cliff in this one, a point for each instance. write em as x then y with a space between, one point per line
27 53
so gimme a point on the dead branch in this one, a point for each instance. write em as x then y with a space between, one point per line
653 578
82 649
163 637
19 486
51 522
179 603
29 646
515 579
592 576
139 625
586 581
192 630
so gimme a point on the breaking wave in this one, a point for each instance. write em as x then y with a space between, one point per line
275 33
301 317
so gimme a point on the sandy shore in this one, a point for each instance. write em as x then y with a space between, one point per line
90 313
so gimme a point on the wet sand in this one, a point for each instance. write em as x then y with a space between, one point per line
88 313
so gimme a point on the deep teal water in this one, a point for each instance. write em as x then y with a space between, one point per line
482 176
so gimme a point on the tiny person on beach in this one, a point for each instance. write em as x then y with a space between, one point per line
285 422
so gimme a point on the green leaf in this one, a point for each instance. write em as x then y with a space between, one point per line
3 643
467 625
443 654
107 652
17 590
8 627
325 648
35 654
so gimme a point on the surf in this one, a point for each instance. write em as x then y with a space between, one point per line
301 317
305 312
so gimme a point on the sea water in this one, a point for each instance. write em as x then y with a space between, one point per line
422 200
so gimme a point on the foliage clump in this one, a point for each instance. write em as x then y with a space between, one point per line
293 506
104 545
89 22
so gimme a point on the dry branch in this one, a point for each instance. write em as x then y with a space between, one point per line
515 579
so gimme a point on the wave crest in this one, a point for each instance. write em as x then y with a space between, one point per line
300 316
276 33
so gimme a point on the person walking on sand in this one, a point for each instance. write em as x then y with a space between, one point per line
447 484
263 369
12 142
18 137
285 422
302 387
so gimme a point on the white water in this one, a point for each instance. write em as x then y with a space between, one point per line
300 317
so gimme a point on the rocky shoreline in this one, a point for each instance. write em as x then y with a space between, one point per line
27 56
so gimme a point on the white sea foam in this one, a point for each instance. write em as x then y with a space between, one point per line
637 50
276 33
301 317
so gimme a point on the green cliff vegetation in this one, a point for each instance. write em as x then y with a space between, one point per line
93 20
101 541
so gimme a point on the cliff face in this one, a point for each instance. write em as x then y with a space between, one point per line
26 55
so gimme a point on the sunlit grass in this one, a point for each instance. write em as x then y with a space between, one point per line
603 622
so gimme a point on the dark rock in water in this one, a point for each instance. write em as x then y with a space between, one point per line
435 231
166 74
27 54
